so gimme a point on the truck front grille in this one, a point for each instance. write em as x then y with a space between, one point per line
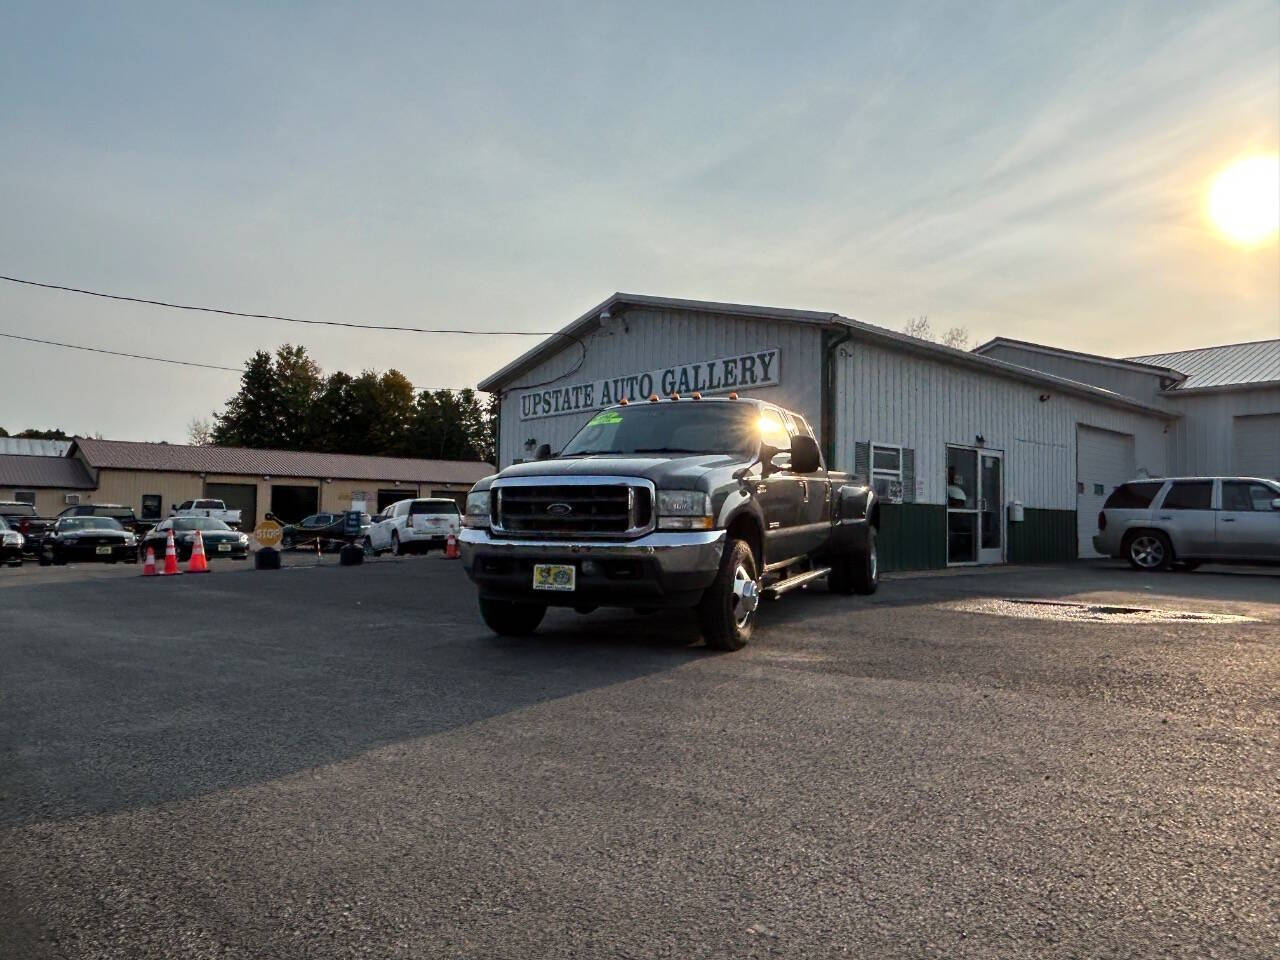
594 509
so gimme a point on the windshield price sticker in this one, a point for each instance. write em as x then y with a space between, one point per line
601 419
745 372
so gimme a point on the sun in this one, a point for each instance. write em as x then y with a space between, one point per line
1244 201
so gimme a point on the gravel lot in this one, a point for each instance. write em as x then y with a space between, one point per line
341 762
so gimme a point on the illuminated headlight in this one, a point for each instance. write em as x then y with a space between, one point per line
244 538
477 509
130 540
13 538
684 510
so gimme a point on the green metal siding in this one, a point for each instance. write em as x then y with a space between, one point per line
912 536
1045 536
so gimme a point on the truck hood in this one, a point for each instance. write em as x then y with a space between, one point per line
678 472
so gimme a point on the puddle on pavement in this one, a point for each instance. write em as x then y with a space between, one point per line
1064 611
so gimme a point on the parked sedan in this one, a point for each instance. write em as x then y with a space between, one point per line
86 540
1185 521
219 539
11 544
329 528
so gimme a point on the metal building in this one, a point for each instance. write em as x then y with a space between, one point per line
1003 454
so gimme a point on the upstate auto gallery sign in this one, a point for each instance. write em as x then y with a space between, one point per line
744 372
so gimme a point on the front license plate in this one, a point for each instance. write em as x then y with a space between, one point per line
224 548
105 551
553 576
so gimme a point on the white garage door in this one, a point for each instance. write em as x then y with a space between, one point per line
1256 447
1104 460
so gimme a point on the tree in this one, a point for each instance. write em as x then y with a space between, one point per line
31 434
3 432
920 328
200 432
249 419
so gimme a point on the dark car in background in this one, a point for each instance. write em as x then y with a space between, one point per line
88 540
219 539
23 518
118 512
329 528
11 542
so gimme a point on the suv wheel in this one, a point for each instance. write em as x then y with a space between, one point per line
395 543
727 610
856 572
511 618
1148 550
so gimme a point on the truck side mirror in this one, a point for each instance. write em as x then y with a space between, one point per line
804 454
543 452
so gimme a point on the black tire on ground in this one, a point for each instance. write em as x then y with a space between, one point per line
856 572
350 555
726 612
396 549
1148 550
266 559
367 546
44 559
512 618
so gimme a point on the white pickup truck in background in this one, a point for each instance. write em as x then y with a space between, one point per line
217 509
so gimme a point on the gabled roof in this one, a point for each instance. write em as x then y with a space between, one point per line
1139 364
590 321
1230 365
30 472
34 448
181 458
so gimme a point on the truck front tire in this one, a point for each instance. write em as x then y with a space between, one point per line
726 612
511 618
857 572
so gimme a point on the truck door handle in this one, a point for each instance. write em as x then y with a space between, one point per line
1166 518
804 487
1228 519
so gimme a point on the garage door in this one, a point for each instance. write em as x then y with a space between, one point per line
1256 446
290 504
1104 460
238 496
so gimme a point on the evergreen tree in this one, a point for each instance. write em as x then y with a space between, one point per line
251 416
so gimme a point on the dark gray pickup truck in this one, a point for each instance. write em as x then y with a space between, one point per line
702 503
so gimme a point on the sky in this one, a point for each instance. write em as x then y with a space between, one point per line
1037 171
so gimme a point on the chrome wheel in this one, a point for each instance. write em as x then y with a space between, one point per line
874 561
395 544
746 596
1147 552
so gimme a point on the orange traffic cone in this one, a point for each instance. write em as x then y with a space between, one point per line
170 558
149 565
451 548
198 563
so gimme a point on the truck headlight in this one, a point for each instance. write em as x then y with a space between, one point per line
477 509
684 510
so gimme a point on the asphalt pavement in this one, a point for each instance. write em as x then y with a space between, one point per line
342 762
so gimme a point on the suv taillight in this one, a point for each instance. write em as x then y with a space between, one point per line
1102 520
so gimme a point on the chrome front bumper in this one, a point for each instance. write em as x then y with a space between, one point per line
674 565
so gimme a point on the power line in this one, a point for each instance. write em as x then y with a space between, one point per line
184 363
268 316
118 353
582 347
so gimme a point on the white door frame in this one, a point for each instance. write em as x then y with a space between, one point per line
988 555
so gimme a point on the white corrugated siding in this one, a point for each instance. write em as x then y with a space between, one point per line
896 397
657 338
1200 444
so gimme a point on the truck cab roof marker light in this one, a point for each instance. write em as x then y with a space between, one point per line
674 395
653 398
733 395
697 395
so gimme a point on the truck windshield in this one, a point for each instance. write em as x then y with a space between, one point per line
674 427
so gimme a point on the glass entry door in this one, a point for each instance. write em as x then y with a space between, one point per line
975 497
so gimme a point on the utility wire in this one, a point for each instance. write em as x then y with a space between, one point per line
117 353
185 363
268 316
582 356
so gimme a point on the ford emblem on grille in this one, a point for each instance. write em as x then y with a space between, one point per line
559 509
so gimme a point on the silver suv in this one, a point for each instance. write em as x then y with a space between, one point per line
1185 521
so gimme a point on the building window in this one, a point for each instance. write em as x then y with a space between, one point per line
886 472
25 496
